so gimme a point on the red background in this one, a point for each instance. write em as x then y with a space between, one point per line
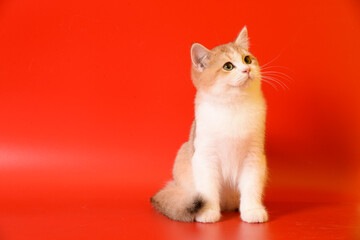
96 98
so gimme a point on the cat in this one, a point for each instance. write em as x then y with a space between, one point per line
223 165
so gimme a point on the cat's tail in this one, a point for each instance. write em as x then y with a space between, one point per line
177 203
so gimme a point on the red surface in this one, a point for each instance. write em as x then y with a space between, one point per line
96 98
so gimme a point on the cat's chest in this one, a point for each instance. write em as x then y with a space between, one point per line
232 121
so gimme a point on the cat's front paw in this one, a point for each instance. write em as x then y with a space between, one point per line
208 216
257 215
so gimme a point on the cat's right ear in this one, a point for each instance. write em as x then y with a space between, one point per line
243 40
199 56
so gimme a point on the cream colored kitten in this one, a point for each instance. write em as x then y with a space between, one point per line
223 165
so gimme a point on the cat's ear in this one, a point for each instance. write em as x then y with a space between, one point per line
243 40
199 56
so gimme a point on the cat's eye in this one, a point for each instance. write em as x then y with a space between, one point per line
247 59
228 66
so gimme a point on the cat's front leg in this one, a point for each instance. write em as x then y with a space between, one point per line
251 184
206 178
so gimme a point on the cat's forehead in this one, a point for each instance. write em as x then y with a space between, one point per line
230 51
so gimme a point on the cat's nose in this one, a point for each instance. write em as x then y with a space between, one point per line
246 70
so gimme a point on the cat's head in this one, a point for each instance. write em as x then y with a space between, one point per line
225 69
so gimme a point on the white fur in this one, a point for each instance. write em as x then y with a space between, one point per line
229 149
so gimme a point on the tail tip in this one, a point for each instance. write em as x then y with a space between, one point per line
196 205
152 200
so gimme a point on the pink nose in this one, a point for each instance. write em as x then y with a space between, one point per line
246 70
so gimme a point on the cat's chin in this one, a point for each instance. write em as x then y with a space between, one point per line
243 83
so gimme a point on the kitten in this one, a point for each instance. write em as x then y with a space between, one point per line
223 166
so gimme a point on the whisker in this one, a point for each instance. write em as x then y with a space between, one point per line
276 72
277 83
277 76
271 84
274 59
282 84
269 67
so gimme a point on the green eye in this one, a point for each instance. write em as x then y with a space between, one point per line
247 59
228 66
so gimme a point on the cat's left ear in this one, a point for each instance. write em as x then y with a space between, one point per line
243 40
199 56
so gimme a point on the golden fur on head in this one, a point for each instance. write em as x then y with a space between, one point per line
207 68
